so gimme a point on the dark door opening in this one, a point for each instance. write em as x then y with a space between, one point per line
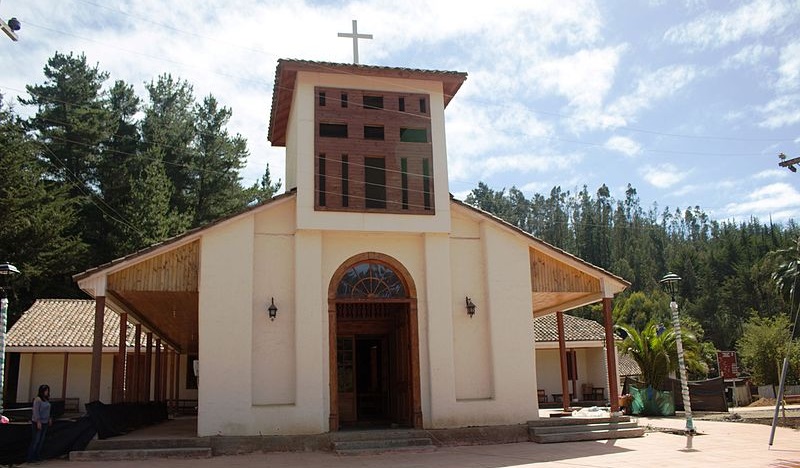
373 365
372 389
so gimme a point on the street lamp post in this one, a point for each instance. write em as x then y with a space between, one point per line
5 269
670 283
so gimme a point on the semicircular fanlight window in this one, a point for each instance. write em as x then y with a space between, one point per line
370 280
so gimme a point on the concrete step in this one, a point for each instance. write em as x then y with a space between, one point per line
140 454
581 427
603 434
570 420
132 444
373 446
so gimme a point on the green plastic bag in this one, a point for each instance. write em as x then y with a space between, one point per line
651 402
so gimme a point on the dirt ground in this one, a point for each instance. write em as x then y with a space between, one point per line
760 411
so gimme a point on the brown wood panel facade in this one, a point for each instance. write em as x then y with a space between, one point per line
550 275
174 270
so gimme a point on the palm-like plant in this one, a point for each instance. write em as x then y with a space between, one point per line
653 349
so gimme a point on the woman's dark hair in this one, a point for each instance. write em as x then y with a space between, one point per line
41 393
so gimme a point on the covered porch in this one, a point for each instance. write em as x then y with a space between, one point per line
154 292
561 282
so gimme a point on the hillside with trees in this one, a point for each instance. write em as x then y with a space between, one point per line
728 267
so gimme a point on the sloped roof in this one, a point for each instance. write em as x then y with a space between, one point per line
183 236
627 366
286 73
545 328
62 323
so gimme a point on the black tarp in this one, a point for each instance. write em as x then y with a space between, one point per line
121 418
63 437
75 434
705 395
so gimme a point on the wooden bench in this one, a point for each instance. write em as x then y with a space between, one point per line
542 395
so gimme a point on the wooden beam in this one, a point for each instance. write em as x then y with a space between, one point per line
611 356
118 394
64 373
562 351
97 348
137 365
148 367
158 381
177 367
133 313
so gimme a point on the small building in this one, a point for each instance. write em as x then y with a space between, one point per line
51 344
586 359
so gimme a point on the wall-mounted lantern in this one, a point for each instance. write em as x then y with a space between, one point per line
470 307
273 311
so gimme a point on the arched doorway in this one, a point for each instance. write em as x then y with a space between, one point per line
373 344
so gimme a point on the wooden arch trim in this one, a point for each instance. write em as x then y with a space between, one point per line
411 291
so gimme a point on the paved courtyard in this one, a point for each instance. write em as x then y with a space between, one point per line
723 444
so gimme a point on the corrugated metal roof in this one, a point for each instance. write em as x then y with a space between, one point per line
64 323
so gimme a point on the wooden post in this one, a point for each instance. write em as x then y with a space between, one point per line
611 356
177 368
137 368
97 348
562 351
170 375
64 373
158 384
164 374
118 394
148 367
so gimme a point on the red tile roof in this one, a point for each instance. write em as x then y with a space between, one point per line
286 73
62 323
545 328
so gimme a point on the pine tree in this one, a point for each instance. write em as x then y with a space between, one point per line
168 129
37 216
71 121
264 189
218 157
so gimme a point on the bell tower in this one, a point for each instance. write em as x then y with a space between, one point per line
365 145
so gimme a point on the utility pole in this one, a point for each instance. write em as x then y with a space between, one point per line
11 28
788 163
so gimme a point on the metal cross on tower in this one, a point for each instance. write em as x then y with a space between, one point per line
356 36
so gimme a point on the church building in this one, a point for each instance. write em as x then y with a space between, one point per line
364 296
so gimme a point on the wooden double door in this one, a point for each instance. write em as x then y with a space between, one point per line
373 363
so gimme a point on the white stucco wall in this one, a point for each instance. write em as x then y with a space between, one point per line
498 384
47 368
224 320
591 369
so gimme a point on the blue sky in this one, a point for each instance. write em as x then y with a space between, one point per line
688 101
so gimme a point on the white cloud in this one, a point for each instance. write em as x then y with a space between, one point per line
525 163
781 111
715 29
748 56
780 200
789 69
624 145
662 175
771 174
583 78
649 89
